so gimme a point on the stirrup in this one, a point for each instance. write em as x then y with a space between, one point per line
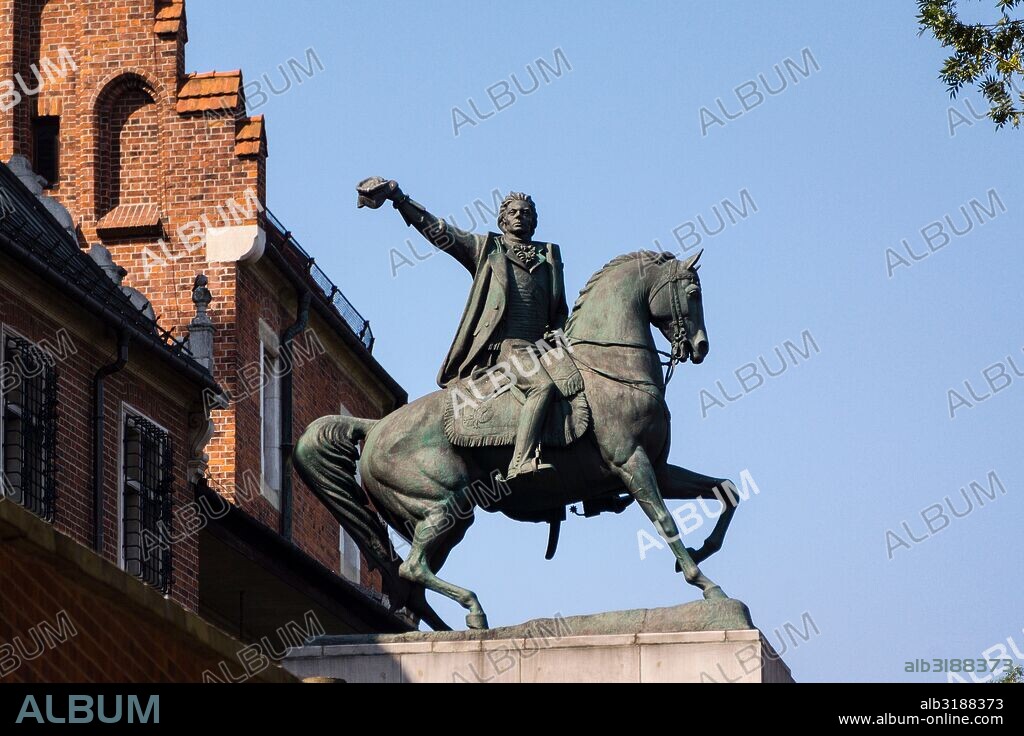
530 466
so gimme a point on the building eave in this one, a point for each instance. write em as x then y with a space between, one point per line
288 561
31 253
340 327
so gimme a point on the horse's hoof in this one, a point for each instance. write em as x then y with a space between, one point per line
714 593
476 620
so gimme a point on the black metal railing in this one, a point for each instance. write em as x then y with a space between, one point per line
29 426
329 292
147 479
24 221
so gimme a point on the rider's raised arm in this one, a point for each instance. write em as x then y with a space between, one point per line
462 246
562 308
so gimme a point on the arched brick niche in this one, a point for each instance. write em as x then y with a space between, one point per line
127 157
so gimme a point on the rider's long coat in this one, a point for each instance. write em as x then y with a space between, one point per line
484 257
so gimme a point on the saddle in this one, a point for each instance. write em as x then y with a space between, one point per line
483 410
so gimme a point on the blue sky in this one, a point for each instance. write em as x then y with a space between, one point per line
854 156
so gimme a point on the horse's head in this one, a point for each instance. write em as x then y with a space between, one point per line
674 300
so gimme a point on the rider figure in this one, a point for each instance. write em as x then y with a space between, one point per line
516 302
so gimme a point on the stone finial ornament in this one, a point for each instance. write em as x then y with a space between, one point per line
116 273
200 329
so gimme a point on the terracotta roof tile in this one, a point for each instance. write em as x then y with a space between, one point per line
170 10
130 219
169 17
210 91
251 138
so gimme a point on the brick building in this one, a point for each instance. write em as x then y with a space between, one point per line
160 175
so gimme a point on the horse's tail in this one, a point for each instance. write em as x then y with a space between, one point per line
325 458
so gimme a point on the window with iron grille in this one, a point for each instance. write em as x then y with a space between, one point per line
146 502
28 382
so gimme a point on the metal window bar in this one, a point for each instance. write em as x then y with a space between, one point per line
146 504
30 426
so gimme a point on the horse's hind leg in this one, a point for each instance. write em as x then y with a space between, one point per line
434 537
679 483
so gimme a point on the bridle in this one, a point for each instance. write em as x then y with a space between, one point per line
680 327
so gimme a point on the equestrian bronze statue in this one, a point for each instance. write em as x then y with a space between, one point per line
538 410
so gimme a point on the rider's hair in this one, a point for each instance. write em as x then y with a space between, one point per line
506 203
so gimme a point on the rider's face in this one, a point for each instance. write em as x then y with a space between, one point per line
520 219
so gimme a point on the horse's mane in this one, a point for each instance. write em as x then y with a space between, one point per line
648 257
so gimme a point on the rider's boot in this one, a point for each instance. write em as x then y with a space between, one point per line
526 456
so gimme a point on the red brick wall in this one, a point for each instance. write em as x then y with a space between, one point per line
58 625
312 521
94 348
123 141
255 302
130 158
319 387
112 643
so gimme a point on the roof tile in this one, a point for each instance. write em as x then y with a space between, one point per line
210 91
169 17
130 219
251 138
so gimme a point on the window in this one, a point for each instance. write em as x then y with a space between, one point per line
146 501
28 383
349 556
46 148
350 563
270 414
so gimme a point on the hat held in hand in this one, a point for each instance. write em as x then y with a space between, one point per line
374 191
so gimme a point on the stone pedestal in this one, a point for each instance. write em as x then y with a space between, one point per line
627 646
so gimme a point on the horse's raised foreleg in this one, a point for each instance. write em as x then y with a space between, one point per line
638 475
434 537
679 483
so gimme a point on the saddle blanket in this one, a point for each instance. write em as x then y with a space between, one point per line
484 411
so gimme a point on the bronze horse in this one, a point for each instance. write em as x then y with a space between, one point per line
427 489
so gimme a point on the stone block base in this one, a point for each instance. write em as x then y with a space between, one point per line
626 646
